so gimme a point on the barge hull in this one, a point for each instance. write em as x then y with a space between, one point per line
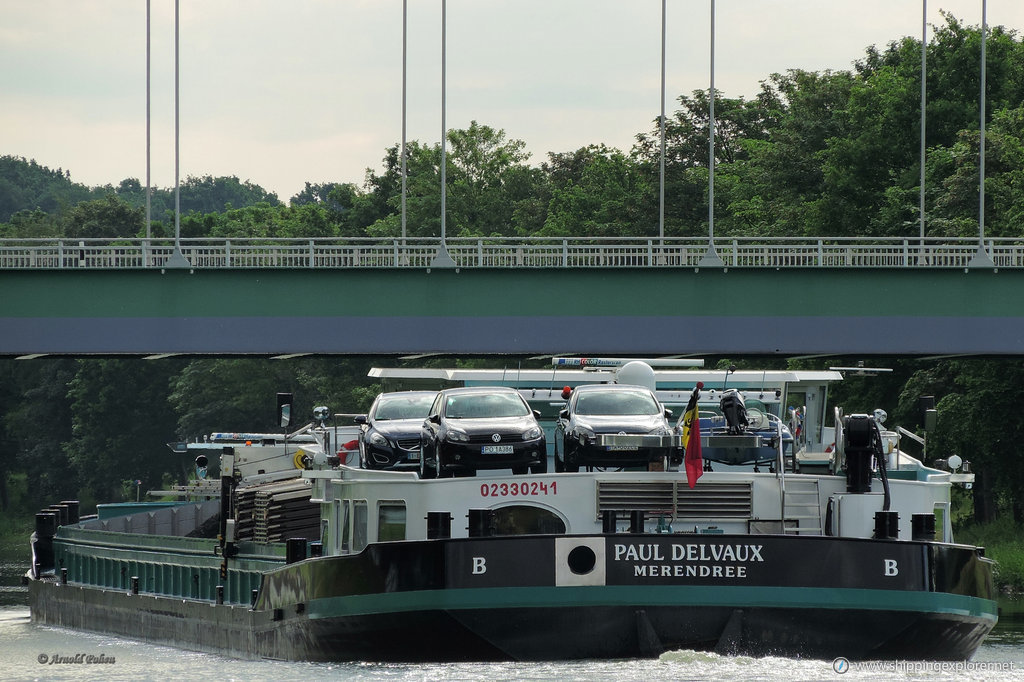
570 597
521 633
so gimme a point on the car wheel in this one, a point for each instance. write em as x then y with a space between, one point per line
425 471
438 469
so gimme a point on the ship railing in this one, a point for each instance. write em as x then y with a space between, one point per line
507 252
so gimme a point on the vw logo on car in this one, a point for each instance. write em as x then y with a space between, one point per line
496 438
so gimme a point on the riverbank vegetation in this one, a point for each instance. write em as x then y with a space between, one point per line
1003 540
812 154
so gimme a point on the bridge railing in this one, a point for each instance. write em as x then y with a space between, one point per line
500 252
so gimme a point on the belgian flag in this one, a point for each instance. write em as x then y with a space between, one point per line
691 438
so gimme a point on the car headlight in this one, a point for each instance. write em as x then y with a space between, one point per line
457 436
584 433
377 439
532 433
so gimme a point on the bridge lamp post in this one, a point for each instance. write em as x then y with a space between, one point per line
924 93
981 259
177 259
443 259
149 220
405 61
661 176
711 258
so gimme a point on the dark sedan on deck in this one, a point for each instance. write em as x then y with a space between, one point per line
599 409
390 432
481 428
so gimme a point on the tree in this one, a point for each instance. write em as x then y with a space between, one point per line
970 424
109 217
30 224
955 208
121 421
35 425
603 200
208 194
778 188
490 188
737 121
239 394
26 185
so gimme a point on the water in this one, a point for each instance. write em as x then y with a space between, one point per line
26 651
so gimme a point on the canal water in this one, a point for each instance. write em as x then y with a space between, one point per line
30 651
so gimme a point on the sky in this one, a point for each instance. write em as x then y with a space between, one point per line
281 93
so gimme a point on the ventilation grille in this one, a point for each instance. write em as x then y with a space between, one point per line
706 501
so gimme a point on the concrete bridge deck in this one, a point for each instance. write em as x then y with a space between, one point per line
622 298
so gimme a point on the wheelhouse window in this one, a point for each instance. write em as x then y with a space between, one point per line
941 511
344 523
358 525
390 521
523 519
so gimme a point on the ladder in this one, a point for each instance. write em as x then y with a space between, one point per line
800 503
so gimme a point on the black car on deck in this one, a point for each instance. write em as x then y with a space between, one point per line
596 409
390 432
481 428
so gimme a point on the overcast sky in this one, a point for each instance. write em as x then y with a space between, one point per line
283 92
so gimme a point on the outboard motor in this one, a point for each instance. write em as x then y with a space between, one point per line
735 411
859 430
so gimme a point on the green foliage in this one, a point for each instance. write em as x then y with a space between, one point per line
35 425
490 189
601 198
25 185
239 394
1003 540
206 194
109 218
15 530
121 419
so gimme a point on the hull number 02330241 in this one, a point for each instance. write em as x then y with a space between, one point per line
517 489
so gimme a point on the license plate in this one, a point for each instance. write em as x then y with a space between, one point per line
497 450
413 456
623 448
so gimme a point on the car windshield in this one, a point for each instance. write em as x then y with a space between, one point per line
402 407
484 406
616 403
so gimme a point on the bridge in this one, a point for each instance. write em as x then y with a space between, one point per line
521 296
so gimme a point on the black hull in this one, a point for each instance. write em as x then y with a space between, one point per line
413 602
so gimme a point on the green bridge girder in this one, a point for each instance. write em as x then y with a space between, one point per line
519 311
